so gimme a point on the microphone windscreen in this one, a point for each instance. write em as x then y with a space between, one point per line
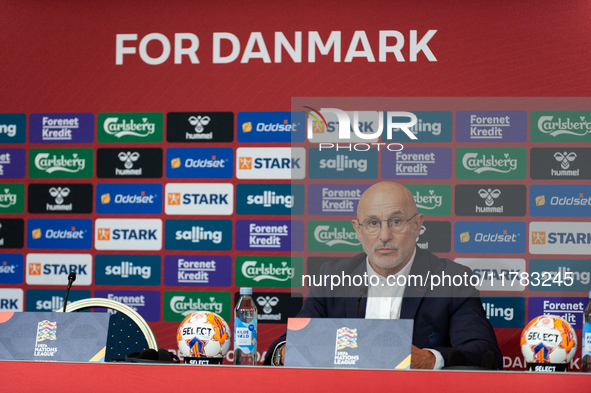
489 361
456 358
72 277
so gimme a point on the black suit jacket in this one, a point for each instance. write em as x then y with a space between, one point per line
445 317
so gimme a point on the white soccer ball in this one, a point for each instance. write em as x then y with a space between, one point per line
203 334
548 339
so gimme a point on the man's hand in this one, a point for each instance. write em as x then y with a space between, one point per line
421 358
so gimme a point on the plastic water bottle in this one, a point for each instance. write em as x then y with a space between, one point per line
245 329
586 351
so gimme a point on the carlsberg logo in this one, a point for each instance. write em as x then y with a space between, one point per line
484 163
557 126
324 234
113 126
7 199
429 202
179 305
256 272
54 163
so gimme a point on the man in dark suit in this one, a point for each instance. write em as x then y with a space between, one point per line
400 283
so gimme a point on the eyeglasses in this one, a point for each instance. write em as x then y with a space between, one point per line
396 224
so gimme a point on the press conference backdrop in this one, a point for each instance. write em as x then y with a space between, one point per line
147 148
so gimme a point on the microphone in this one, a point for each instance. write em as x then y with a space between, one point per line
456 358
71 279
362 293
488 361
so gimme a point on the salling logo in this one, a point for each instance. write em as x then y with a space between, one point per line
128 269
269 198
8 130
472 162
199 123
342 162
59 164
197 234
259 271
8 199
429 202
324 234
565 159
491 311
114 127
489 197
576 127
415 164
179 305
59 194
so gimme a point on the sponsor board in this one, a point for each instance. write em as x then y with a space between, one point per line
489 237
332 236
270 235
130 127
11 300
270 199
177 305
560 163
491 163
128 198
61 163
130 163
11 268
60 198
562 238
505 312
146 303
555 275
343 164
268 272
435 236
313 264
490 200
52 300
12 198
432 199
270 163
431 127
497 274
571 309
53 269
61 128
128 234
491 126
417 163
199 199
272 127
335 199
13 127
274 307
200 127
369 124
560 201
58 233
560 126
200 163
198 270
12 163
12 233
127 269
198 235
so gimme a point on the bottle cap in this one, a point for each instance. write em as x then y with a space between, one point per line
589 294
246 291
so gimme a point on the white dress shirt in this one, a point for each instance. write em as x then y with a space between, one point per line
384 301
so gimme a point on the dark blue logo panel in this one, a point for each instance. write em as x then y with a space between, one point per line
504 312
267 199
198 270
200 163
60 234
560 201
52 299
490 237
198 235
13 127
271 127
559 275
343 164
11 268
431 127
126 198
127 270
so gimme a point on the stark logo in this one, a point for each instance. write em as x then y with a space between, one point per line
104 234
173 199
538 237
34 269
245 163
